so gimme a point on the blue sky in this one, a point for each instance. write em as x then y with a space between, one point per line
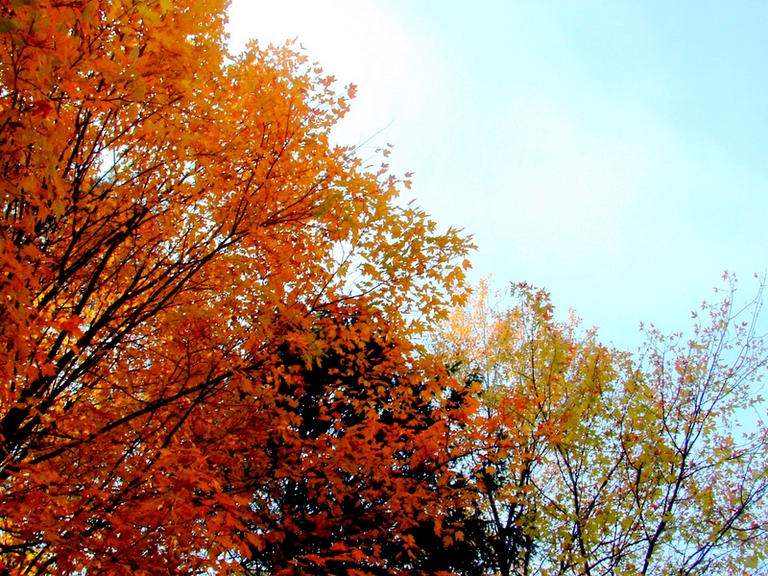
614 153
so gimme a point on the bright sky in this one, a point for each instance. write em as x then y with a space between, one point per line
614 153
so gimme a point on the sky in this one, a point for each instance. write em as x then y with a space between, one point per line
613 153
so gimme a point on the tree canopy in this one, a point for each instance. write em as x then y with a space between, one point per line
227 347
587 460
206 306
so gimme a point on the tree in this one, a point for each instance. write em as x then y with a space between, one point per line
587 460
182 250
361 462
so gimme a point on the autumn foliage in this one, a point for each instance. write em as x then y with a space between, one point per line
583 459
226 347
206 307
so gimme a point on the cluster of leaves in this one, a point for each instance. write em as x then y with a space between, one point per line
209 319
206 307
587 460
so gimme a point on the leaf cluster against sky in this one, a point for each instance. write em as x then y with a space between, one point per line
610 151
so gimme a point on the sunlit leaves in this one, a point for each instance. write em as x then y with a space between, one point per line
181 249
587 460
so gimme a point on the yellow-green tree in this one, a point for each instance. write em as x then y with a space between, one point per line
586 460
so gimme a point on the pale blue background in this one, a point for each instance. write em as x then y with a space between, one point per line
614 153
